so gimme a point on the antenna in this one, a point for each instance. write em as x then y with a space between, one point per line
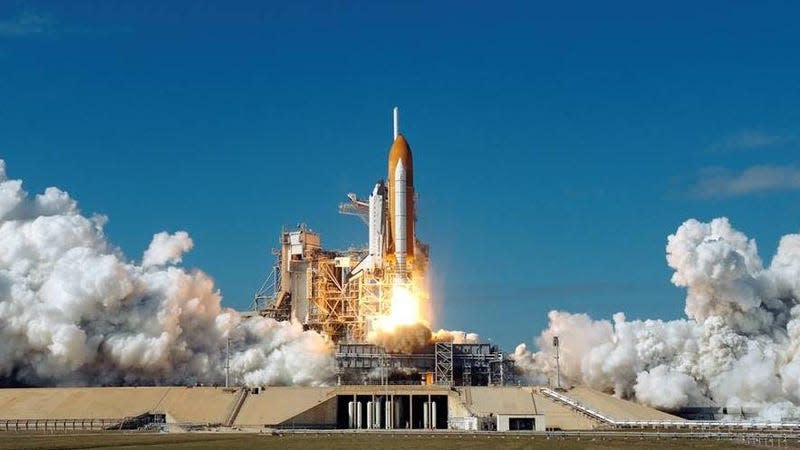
396 121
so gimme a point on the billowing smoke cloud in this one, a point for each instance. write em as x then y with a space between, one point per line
455 337
402 338
418 337
167 248
74 310
739 346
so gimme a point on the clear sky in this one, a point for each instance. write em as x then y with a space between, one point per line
555 147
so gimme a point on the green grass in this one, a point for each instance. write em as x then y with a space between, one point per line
344 441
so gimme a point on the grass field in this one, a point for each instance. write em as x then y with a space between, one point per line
351 441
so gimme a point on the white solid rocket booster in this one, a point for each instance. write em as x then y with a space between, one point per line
400 212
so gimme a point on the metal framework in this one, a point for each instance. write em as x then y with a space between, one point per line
356 207
447 364
333 306
316 288
268 290
443 352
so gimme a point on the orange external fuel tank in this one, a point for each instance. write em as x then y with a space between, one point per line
402 213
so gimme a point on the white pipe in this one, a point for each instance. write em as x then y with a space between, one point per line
425 416
433 414
389 416
359 421
377 414
396 121
400 219
397 412
351 414
370 407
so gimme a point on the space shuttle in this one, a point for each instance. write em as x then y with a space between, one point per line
391 214
401 207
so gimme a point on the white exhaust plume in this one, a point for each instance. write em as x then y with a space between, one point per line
75 311
167 248
739 346
402 338
418 337
456 337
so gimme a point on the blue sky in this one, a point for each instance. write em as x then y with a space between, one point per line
556 147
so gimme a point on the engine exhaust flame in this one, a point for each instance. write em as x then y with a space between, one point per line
404 310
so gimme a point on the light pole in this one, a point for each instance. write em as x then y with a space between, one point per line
558 367
228 355
227 360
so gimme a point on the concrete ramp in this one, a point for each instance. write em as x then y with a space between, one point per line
180 404
617 408
483 401
199 405
275 406
562 417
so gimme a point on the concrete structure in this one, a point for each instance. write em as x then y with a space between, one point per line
373 407
294 407
180 404
615 407
520 422
486 402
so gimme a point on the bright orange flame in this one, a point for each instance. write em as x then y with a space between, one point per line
405 309
405 306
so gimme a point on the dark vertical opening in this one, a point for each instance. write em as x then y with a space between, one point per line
441 411
341 410
521 424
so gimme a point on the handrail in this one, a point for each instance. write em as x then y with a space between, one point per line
666 423
237 406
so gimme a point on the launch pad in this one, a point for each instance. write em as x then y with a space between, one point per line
352 407
361 298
